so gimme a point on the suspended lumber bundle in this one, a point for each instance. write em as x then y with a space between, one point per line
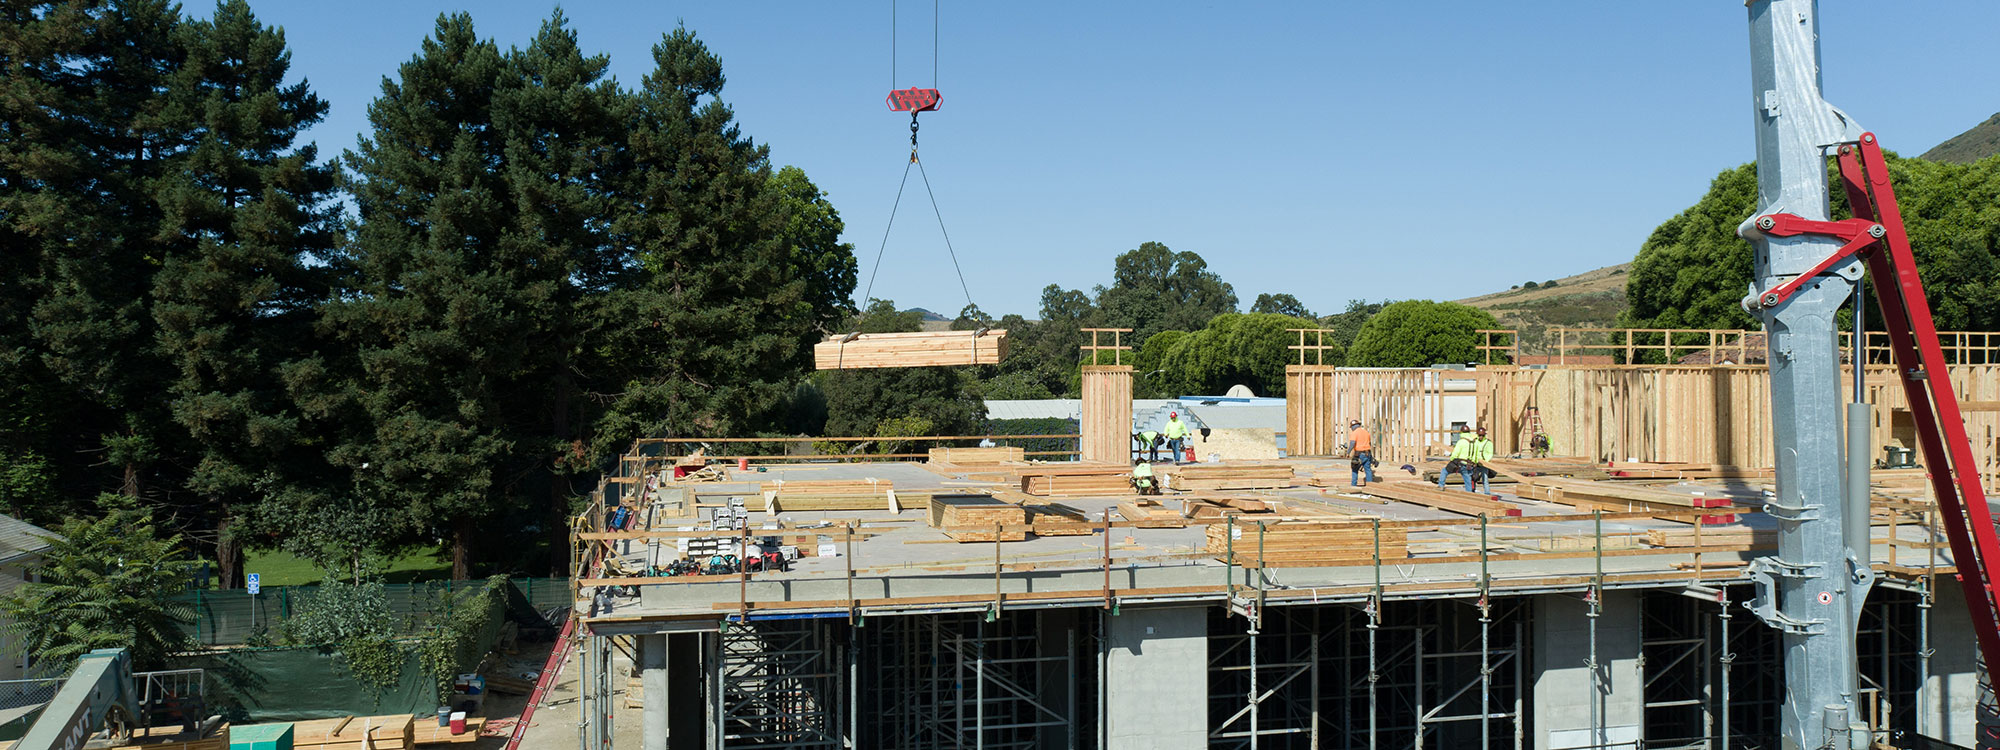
1225 477
1454 501
810 495
1710 536
977 456
918 349
1303 544
974 518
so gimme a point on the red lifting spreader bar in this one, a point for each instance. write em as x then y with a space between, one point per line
914 100
1876 235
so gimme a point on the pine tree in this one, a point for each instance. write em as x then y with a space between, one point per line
247 214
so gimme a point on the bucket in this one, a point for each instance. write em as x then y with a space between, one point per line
742 464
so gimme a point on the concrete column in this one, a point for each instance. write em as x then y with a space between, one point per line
1156 678
1570 711
653 727
1950 702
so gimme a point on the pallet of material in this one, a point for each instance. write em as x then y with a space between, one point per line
1454 501
429 733
1301 544
395 732
828 495
961 517
977 456
1227 477
916 349
1733 536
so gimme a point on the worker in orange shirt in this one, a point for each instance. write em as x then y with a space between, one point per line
1361 453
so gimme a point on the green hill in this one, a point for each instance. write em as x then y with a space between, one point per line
1981 141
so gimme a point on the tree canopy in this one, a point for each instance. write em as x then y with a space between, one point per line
1419 333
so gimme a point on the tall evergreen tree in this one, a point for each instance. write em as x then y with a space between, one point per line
247 215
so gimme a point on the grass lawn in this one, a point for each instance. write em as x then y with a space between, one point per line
278 568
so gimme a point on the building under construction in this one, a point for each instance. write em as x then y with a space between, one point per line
1006 598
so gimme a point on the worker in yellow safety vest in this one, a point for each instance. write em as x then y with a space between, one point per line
1176 432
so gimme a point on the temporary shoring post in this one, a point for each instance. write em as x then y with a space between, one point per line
1805 590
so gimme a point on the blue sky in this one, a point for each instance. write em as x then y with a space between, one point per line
1332 150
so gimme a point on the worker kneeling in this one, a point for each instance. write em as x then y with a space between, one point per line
1142 478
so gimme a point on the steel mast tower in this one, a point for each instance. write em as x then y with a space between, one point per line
1812 590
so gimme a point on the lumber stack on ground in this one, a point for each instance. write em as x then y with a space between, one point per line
397 732
1730 535
1303 544
1227 477
977 456
1463 503
917 349
827 495
975 518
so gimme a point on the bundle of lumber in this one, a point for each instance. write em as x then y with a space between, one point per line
1455 501
977 456
1614 497
1304 544
829 495
977 518
918 349
1227 476
1083 480
397 732
1714 536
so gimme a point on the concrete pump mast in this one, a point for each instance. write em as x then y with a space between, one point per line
1813 589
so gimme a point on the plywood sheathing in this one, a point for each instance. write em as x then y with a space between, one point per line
1107 414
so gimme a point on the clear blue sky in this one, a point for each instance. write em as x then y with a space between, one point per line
1334 151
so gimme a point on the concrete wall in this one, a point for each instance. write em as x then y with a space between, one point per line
1569 710
1156 678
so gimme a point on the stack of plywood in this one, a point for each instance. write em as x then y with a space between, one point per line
1083 480
1304 544
1455 501
973 518
1227 477
977 456
396 732
918 349
1712 536
828 495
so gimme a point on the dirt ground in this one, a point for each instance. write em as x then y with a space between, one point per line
555 723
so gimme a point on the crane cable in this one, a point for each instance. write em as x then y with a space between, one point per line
869 290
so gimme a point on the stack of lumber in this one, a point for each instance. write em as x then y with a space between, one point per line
1150 514
1455 501
1614 497
429 733
395 732
1086 480
977 456
828 495
919 349
1713 536
1227 477
1304 544
973 518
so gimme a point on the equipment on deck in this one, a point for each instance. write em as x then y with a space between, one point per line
1807 268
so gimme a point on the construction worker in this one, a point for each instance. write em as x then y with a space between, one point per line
1142 478
1361 452
1480 451
1176 433
1455 463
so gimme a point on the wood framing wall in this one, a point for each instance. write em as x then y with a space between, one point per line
1107 414
1691 413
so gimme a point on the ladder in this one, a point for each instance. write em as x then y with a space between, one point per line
1877 236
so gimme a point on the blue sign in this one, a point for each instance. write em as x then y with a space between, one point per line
253 582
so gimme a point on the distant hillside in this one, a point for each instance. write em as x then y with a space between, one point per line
1592 299
1981 141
